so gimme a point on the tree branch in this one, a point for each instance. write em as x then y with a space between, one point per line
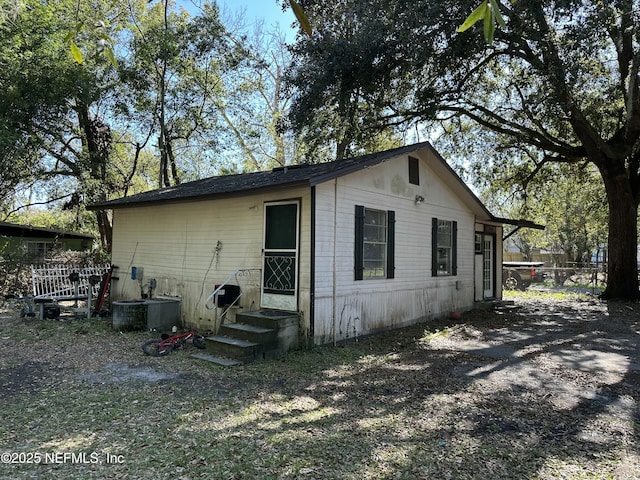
500 124
33 204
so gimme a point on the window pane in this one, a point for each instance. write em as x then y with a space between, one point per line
281 226
444 233
375 217
374 269
444 243
374 244
375 233
374 251
444 261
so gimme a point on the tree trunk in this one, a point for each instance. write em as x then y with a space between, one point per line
97 142
622 282
105 228
172 162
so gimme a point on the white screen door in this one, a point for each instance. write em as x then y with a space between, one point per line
280 262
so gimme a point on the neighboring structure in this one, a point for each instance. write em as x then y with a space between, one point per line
35 243
512 253
353 247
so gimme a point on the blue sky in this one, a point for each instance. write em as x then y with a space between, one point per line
267 10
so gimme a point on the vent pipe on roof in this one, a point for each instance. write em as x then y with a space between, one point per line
286 168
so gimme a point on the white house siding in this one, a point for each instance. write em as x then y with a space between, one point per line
177 244
366 306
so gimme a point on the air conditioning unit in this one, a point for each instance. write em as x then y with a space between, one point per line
160 314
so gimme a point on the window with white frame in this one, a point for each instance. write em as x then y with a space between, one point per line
444 246
374 243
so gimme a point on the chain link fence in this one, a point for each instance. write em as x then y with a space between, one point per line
586 278
577 276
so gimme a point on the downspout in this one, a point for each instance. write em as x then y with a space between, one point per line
312 268
475 256
335 241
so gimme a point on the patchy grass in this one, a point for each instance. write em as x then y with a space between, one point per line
409 404
546 295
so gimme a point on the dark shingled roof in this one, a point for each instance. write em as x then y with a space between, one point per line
304 174
29 231
290 176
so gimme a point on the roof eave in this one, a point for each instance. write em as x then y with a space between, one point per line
122 203
21 229
375 160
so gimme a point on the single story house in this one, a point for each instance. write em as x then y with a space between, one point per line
354 246
36 242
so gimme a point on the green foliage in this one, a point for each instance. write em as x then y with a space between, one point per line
23 94
53 130
173 78
341 80
569 200
253 105
558 84
71 121
489 13
55 219
575 211
78 124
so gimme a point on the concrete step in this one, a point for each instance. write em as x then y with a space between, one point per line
250 333
256 335
235 348
274 319
286 324
225 362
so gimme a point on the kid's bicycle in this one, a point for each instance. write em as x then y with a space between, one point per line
166 344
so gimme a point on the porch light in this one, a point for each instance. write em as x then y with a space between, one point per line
419 199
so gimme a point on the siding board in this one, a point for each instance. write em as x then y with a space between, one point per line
366 306
189 247
177 244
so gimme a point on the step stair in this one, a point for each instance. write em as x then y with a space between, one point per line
251 333
225 362
234 348
260 335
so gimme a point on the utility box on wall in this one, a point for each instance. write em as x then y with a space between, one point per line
227 295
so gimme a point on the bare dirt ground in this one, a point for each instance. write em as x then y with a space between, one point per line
548 387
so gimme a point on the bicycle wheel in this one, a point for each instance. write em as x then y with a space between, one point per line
155 348
199 342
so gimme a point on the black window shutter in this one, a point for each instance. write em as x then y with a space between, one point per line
359 246
434 247
391 244
454 248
